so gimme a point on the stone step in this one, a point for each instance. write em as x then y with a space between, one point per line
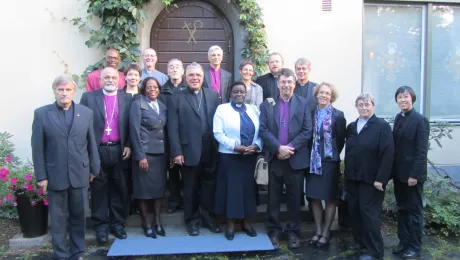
18 242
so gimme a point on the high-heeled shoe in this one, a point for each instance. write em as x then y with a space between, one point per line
148 232
159 230
312 242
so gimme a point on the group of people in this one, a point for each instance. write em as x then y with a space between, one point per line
140 133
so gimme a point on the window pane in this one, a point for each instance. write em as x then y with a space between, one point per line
392 53
445 84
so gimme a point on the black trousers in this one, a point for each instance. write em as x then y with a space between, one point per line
199 193
365 208
67 213
410 214
109 191
280 173
175 185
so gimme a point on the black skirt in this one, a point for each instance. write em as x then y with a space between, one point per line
325 186
150 184
236 188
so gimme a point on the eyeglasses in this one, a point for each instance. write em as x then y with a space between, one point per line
366 105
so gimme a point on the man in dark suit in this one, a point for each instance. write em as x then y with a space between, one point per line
304 87
216 78
65 159
369 155
268 82
286 132
175 83
411 133
109 194
190 119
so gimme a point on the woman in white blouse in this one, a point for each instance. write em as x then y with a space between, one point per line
236 128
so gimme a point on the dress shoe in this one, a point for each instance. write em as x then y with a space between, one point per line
149 232
367 257
312 241
159 230
275 242
355 246
213 228
320 244
399 249
410 254
229 234
102 238
119 233
193 231
172 209
293 241
249 231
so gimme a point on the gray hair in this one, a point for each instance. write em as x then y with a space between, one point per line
364 97
62 80
174 59
303 61
213 49
194 65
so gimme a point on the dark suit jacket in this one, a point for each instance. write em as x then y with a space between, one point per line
147 128
307 93
411 147
225 82
369 154
269 85
94 100
64 158
339 133
300 131
184 125
168 89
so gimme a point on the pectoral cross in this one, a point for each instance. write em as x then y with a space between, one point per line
108 130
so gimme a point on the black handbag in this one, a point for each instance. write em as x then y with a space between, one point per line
344 217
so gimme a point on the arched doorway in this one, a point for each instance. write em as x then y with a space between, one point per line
187 31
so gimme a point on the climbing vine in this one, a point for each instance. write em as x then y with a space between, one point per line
120 20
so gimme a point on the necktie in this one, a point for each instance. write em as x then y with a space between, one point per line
155 108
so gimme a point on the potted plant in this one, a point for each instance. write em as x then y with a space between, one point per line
18 189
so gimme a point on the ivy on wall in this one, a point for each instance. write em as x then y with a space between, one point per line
120 20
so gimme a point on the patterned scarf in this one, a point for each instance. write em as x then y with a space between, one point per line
315 162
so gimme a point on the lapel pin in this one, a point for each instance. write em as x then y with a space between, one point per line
78 114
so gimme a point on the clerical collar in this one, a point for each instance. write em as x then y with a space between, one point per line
285 101
61 108
238 107
109 93
303 85
196 92
407 113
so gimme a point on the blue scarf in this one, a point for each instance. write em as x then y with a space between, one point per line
315 162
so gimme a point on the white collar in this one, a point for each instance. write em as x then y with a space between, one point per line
109 94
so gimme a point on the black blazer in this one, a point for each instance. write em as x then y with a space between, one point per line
339 133
147 129
411 147
269 85
369 154
64 158
307 93
300 131
94 100
184 125
168 89
225 82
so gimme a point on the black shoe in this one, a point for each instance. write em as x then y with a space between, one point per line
320 244
193 231
312 242
102 237
355 246
263 187
213 228
410 254
399 249
249 231
119 233
229 234
159 230
148 232
172 209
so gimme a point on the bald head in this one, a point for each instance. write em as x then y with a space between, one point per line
109 79
149 57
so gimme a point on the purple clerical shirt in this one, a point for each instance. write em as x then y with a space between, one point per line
111 104
283 137
215 80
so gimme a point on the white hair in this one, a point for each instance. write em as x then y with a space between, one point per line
213 49
364 97
62 80
194 65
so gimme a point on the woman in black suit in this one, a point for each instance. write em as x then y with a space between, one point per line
411 132
147 124
329 130
369 156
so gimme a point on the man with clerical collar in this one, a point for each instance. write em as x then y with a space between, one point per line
304 87
65 161
112 59
175 83
216 78
150 58
268 82
286 133
192 145
109 194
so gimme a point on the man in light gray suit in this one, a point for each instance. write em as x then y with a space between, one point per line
65 158
215 78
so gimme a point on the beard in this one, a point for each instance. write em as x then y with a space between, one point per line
109 87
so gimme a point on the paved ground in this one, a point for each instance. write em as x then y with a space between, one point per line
434 249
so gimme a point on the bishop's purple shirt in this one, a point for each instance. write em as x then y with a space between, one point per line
114 136
283 136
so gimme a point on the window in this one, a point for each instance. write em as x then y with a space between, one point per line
406 44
